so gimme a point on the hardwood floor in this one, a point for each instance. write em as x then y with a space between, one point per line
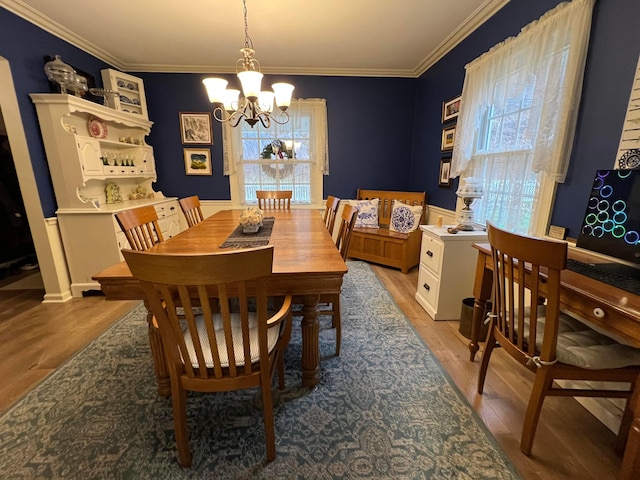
37 338
570 443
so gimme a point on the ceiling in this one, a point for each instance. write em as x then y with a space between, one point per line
399 38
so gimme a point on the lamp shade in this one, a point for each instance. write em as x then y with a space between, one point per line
230 99
283 93
265 101
251 81
215 89
470 188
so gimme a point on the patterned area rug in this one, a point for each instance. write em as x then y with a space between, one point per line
383 409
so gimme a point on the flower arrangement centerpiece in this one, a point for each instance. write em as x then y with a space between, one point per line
251 219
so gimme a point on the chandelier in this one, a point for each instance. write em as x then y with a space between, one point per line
255 105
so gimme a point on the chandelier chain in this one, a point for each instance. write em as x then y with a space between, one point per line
247 39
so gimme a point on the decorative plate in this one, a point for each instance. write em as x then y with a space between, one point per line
630 160
125 99
121 83
97 128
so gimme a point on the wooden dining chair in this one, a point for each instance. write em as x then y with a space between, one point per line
237 348
274 199
551 344
330 211
140 226
347 221
191 208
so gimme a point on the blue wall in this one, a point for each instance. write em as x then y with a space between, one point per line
25 47
383 133
612 58
369 142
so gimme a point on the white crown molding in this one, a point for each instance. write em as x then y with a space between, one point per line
477 18
54 28
336 72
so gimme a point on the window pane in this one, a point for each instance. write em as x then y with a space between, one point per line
250 149
264 170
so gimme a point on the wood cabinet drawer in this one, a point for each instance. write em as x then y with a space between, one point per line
428 287
431 253
167 208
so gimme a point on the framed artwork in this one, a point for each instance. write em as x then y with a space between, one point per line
451 109
444 179
448 138
195 128
197 161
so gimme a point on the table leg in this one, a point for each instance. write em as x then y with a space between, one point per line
631 461
157 353
310 341
482 292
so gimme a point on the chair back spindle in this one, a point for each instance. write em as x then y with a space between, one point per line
348 220
330 211
140 226
191 209
274 199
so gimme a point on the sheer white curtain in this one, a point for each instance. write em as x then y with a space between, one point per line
518 114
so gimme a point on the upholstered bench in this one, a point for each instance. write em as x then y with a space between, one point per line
382 235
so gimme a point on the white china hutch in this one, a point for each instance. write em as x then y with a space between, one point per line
89 147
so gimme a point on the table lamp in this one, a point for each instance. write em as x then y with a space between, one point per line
470 188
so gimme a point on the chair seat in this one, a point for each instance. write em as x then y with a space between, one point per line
238 347
581 346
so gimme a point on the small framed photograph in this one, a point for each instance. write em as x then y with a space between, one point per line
195 128
448 138
451 109
444 180
197 161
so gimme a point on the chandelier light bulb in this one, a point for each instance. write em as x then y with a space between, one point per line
257 105
265 101
283 92
215 89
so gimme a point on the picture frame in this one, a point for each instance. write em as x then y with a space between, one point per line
195 128
451 109
448 138
444 178
197 161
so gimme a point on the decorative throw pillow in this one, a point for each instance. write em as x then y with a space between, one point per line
367 213
405 218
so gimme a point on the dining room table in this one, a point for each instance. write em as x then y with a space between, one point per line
306 264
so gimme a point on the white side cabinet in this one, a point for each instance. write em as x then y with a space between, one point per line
447 270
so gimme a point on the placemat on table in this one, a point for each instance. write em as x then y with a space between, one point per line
238 239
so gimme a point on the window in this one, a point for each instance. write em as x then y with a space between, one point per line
292 156
517 118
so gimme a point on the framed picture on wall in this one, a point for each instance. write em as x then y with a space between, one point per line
195 128
197 161
448 138
451 109
444 179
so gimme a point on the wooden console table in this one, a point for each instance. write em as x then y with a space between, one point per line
608 308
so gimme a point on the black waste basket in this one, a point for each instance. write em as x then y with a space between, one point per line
466 315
